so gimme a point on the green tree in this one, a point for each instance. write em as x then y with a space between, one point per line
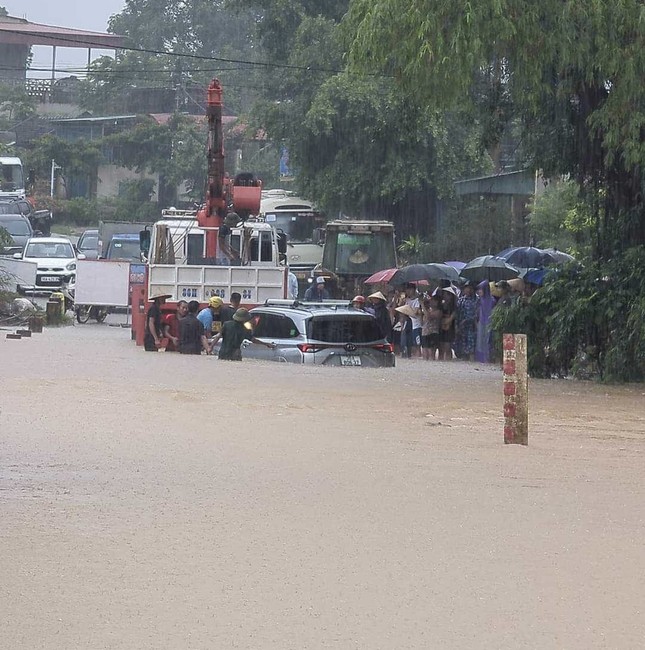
80 158
559 219
575 73
414 250
358 147
175 150
15 105
201 28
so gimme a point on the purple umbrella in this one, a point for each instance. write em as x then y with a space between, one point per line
456 265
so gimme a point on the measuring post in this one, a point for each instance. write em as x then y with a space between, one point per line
516 390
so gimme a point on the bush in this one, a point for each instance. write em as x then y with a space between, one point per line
582 320
85 212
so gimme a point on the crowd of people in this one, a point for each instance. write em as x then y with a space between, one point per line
443 323
191 330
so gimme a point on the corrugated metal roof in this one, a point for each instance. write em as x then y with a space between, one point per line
18 31
102 118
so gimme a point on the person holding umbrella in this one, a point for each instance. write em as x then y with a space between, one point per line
484 310
447 333
466 324
414 333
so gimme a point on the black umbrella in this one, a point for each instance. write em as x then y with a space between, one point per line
488 268
527 257
421 272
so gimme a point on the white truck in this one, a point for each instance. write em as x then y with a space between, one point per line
178 266
303 225
12 179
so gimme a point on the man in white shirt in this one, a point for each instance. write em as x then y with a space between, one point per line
412 300
292 286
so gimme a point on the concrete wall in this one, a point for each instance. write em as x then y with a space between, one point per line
110 177
14 61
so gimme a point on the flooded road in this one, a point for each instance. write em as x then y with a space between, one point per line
158 501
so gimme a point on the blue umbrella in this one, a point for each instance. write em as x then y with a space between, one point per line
527 257
535 276
456 265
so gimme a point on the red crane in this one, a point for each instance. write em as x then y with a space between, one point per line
241 195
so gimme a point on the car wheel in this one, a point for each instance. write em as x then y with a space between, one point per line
100 314
82 314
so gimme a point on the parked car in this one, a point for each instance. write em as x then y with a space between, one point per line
20 230
56 260
330 334
88 244
40 220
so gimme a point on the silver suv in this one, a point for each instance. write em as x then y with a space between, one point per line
328 333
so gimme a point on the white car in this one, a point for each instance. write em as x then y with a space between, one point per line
56 260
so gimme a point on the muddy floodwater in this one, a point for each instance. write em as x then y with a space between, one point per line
153 501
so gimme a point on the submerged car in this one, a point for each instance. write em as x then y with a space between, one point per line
56 260
330 334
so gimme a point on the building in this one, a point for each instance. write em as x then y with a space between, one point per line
18 35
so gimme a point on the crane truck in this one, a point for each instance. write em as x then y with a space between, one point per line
188 252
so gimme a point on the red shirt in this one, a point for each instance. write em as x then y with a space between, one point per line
170 323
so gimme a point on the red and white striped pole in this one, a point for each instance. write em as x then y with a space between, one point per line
516 390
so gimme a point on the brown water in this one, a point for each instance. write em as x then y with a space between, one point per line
160 501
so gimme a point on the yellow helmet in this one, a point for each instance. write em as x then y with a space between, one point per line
215 302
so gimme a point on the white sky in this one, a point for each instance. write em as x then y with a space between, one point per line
78 14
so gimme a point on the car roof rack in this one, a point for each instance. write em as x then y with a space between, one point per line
301 304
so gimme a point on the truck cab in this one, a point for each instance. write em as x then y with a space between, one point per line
124 247
12 179
302 223
354 250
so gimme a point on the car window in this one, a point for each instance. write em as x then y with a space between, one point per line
15 207
88 242
274 326
343 328
124 249
17 227
50 249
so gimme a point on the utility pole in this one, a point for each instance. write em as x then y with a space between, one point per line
51 182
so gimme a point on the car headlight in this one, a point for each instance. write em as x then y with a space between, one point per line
71 266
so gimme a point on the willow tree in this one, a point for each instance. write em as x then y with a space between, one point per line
573 72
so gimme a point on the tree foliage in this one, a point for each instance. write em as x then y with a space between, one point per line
359 147
198 29
79 158
175 151
15 105
585 321
574 71
559 219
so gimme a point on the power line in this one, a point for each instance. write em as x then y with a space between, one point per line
120 71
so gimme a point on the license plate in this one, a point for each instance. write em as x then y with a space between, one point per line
350 361
49 278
